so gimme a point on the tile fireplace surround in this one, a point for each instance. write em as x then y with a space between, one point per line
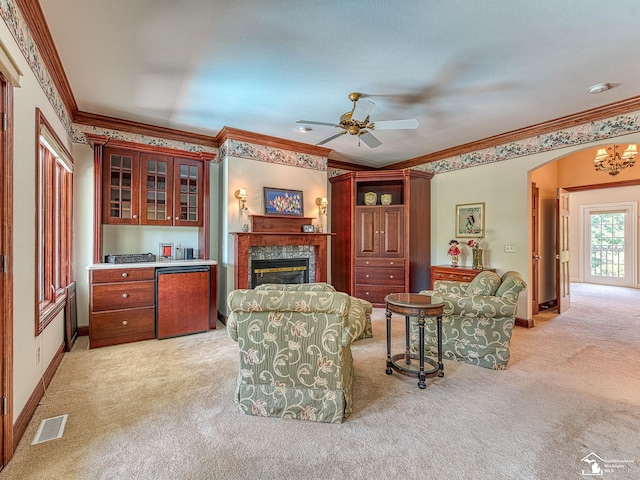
279 237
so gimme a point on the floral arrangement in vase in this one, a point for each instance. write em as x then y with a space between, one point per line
476 253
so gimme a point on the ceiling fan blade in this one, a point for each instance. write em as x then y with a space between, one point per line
326 140
362 110
396 124
370 140
318 123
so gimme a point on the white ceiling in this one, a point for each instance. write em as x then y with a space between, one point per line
466 70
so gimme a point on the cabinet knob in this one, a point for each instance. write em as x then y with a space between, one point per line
390 276
169 217
390 263
176 218
382 232
377 231
366 293
124 322
125 274
366 276
135 216
125 295
366 263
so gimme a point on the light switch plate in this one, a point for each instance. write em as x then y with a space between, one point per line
509 248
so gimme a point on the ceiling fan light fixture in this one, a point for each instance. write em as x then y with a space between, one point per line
599 88
304 128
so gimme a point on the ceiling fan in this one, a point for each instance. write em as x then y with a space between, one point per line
357 122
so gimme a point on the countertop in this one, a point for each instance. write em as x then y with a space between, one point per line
163 263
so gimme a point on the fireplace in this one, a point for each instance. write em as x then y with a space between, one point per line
274 238
294 270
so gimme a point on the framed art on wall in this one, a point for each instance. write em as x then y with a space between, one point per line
279 201
470 220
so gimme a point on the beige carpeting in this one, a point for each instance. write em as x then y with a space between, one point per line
164 410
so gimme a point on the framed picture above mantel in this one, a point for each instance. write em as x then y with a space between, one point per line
280 201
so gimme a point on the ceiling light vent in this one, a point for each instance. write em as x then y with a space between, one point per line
599 88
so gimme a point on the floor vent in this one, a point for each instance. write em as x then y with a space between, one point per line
50 429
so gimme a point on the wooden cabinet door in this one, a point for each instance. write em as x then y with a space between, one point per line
367 231
156 189
188 192
392 231
120 187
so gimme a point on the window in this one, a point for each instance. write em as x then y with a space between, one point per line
54 169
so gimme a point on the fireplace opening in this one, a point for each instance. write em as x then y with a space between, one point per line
293 270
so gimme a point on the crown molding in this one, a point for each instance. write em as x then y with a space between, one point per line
228 133
610 110
34 18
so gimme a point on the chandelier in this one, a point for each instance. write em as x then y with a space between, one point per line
610 160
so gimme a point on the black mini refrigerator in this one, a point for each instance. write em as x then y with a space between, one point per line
182 300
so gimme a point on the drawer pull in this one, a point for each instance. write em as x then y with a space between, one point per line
366 276
124 322
390 263
125 274
125 295
390 276
366 293
366 263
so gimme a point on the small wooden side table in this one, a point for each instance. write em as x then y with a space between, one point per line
420 306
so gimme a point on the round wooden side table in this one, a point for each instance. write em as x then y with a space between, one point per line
420 306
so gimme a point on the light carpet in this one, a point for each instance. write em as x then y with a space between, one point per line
163 409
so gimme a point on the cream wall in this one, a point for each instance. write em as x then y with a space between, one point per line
505 189
254 175
577 240
27 370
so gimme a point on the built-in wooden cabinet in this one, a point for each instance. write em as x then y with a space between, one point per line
122 306
380 249
142 188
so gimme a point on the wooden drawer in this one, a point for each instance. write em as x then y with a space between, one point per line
380 262
122 275
380 276
455 277
376 293
121 326
116 296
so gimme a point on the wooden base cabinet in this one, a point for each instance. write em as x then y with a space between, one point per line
122 306
380 249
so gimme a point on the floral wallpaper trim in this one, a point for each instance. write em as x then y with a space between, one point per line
579 135
16 24
79 130
263 153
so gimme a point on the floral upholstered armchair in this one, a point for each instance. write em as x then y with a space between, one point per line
295 352
478 319
367 307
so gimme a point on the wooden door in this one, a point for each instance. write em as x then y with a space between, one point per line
182 304
6 275
535 249
120 187
563 279
188 192
156 189
392 231
367 231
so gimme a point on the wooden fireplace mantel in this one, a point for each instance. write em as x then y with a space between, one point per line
246 240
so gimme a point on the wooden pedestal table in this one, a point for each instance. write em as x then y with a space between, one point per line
420 306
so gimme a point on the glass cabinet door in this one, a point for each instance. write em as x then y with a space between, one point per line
120 187
188 192
156 191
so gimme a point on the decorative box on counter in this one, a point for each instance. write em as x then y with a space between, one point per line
130 258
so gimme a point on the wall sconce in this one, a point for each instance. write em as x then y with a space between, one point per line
241 195
322 210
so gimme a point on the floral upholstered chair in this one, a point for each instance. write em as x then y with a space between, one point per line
295 352
478 319
367 308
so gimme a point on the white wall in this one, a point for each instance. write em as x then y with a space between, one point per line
27 372
589 198
254 175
